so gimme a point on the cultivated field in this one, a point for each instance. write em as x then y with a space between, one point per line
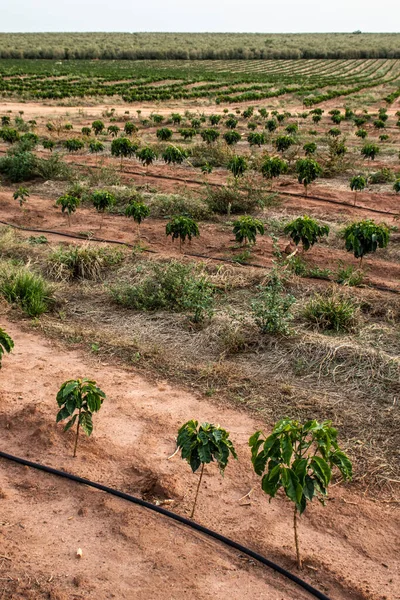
98 161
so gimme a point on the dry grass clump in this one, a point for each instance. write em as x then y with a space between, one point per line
332 311
84 262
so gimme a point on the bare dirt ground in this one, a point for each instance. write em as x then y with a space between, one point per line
351 546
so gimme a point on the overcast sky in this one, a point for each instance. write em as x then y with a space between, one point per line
264 16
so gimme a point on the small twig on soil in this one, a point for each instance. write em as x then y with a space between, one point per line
172 455
246 495
5 557
347 502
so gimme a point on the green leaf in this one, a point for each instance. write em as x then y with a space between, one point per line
204 453
299 466
291 484
69 387
70 404
62 414
70 423
195 461
85 421
308 488
254 439
321 470
260 462
343 463
270 483
287 449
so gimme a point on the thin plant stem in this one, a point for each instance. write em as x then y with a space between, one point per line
296 539
77 433
197 491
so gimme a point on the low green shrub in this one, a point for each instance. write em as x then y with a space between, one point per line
272 307
172 286
216 155
349 275
17 167
235 199
167 205
384 175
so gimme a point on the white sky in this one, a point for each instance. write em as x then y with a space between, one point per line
265 16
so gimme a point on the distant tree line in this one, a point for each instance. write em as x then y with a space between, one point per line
198 46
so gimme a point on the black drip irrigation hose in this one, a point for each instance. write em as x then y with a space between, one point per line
277 191
74 236
211 184
171 515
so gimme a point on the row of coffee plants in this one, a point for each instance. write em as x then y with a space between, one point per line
298 458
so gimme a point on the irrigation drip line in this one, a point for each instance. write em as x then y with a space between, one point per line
171 515
277 191
211 184
381 288
76 236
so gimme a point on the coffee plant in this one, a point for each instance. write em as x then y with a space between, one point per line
308 170
232 137
174 154
246 228
306 230
203 444
21 194
299 458
357 184
98 127
370 151
273 167
182 227
164 134
78 399
365 237
102 201
69 203
237 165
138 211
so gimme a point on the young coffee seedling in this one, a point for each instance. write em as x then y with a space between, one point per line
98 127
69 204
306 230
273 168
203 444
21 194
357 184
365 237
123 148
298 458
182 228
138 211
6 344
246 228
238 166
78 399
102 201
370 151
307 171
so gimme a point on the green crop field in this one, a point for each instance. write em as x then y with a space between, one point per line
312 81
